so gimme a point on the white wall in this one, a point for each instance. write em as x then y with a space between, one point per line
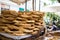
13 6
16 8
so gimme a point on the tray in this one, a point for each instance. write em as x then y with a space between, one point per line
14 37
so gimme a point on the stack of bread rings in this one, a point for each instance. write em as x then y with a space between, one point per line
21 23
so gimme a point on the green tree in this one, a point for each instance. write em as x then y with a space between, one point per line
52 1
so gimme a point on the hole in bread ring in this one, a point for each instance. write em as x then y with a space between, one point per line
13 29
41 22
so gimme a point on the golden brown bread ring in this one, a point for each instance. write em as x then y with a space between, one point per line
5 12
19 23
26 25
30 21
25 16
9 12
2 24
9 18
20 13
12 27
28 13
7 30
13 13
10 31
35 16
36 29
2 28
16 34
39 23
38 13
29 18
27 31
8 15
5 21
54 38
34 33
20 19
19 33
29 28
